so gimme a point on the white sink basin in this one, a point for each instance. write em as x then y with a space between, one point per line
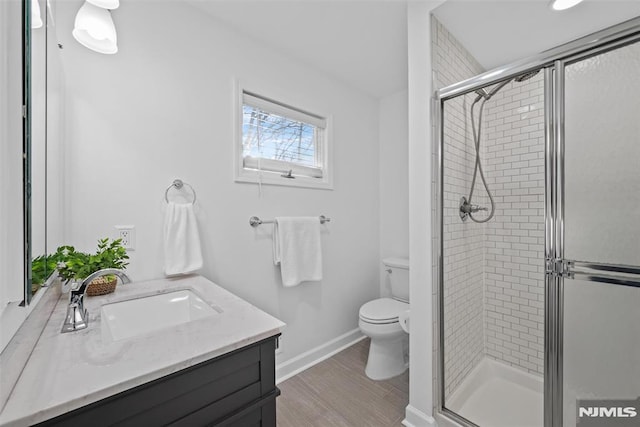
139 316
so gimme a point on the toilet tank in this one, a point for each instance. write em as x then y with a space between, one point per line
398 271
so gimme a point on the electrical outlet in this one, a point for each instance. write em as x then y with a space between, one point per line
127 233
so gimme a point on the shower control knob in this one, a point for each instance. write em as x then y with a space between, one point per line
467 208
476 208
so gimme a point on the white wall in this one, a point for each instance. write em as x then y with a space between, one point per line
162 108
394 181
420 409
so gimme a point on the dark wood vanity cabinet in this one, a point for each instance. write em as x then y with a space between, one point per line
236 389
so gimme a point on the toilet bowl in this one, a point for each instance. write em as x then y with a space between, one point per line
386 321
405 319
387 351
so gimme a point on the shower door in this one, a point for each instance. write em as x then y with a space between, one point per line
596 267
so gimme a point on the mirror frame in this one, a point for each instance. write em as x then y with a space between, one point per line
26 146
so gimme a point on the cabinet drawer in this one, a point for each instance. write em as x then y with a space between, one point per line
261 413
216 412
189 402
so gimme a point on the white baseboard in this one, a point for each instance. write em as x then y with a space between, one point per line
417 418
294 366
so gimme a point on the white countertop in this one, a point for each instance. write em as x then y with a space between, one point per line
68 371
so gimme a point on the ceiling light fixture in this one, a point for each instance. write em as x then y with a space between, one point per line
94 29
563 4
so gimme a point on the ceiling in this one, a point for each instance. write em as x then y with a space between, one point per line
500 32
362 43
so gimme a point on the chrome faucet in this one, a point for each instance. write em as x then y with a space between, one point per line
77 316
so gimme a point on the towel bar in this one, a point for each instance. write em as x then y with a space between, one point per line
254 221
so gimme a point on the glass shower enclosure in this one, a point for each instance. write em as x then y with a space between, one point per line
538 320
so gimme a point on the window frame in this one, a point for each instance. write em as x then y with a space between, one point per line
323 147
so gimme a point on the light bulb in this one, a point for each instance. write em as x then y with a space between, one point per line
94 29
563 4
36 19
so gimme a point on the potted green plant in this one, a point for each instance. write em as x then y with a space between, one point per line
39 272
42 267
76 266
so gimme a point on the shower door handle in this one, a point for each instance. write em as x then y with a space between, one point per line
612 274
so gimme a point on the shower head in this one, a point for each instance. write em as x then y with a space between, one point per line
526 76
483 93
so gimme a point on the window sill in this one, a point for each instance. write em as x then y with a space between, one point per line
248 177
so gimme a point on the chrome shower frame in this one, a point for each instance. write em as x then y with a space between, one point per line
552 63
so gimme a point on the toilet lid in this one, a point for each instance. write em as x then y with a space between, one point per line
382 310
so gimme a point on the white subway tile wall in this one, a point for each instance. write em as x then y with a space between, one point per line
463 244
513 159
493 272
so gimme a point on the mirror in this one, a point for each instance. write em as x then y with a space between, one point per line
41 138
37 71
46 154
30 156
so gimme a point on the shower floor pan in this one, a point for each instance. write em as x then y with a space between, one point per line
498 395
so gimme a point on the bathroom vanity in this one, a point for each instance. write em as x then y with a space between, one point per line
215 370
237 389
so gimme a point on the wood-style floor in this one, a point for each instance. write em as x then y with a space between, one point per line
336 392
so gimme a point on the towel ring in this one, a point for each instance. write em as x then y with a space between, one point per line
178 184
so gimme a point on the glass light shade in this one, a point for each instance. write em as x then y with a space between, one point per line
563 4
106 4
94 29
36 18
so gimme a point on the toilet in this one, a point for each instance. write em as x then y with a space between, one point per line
386 321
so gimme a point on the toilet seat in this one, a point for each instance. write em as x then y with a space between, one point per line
382 311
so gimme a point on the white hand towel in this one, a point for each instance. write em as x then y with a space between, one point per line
297 248
182 254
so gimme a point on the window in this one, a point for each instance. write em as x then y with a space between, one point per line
281 144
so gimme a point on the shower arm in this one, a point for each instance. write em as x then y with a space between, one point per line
498 87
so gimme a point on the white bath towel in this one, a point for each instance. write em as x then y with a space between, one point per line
297 248
182 254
